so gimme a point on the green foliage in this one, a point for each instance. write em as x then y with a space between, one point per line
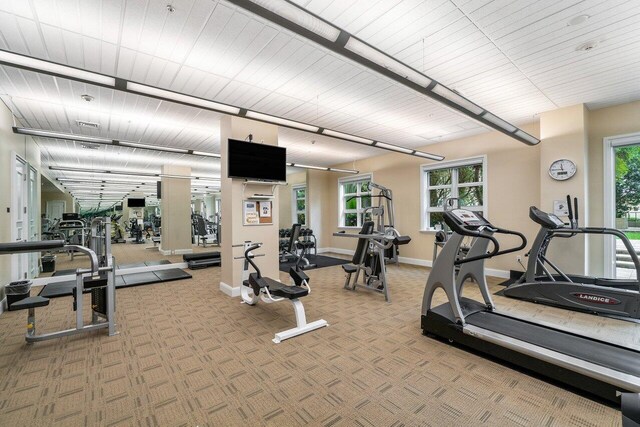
627 179
633 235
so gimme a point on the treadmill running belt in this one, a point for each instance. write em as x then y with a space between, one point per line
598 352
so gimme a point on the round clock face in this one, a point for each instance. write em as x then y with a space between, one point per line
562 169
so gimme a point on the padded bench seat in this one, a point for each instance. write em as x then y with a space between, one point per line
30 302
200 256
349 268
279 289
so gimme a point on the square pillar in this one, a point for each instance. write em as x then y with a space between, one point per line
234 232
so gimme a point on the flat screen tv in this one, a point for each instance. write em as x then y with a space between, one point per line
256 161
135 203
118 207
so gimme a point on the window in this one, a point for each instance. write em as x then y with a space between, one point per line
299 204
354 199
464 179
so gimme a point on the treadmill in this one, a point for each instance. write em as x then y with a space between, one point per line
615 298
602 369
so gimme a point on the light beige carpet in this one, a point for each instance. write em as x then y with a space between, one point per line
188 355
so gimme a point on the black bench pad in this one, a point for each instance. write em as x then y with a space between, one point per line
279 289
30 302
349 268
200 255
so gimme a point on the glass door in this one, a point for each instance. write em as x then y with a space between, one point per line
627 206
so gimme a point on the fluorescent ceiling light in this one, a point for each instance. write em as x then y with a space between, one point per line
498 122
346 136
457 99
94 194
132 173
298 165
530 138
203 153
107 141
280 121
393 147
380 58
104 171
344 170
61 135
53 68
153 147
185 99
301 17
168 175
428 156
106 181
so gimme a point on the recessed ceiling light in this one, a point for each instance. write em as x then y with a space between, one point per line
87 98
84 124
586 47
577 20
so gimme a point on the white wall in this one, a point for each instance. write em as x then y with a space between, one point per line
25 147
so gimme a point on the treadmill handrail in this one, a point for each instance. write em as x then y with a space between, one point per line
496 246
603 230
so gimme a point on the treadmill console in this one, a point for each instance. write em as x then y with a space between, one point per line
546 220
462 219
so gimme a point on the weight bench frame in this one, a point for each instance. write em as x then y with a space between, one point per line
250 298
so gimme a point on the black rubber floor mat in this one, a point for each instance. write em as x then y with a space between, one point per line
140 278
63 289
173 274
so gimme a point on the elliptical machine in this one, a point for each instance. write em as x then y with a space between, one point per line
544 282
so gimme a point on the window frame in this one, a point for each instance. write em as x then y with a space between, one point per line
341 196
294 203
426 209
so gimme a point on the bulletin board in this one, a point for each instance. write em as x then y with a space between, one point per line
257 212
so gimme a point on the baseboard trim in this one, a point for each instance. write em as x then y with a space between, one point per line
55 279
493 272
229 290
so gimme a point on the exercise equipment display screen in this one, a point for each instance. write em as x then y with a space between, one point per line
257 161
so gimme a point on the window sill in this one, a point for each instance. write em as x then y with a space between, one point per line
429 231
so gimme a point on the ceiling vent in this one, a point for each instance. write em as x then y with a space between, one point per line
84 124
586 47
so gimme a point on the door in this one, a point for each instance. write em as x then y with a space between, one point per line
33 213
55 209
19 219
622 203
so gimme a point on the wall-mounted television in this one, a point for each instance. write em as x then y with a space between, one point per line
256 161
70 216
135 203
118 207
